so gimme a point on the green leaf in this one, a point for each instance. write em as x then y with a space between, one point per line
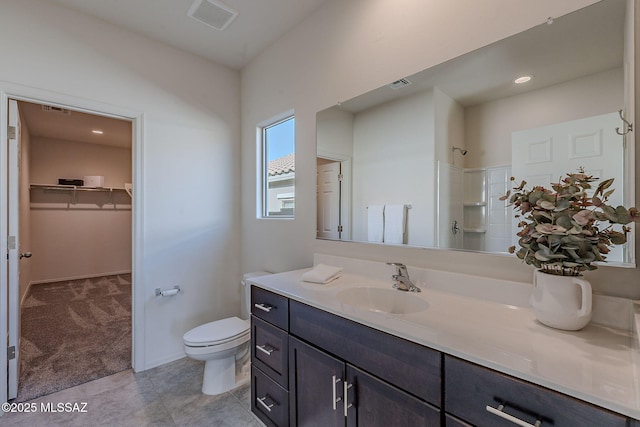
604 185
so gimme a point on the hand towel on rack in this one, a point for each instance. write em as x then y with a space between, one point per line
322 274
394 223
375 223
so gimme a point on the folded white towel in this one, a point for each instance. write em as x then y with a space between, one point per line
322 273
375 223
394 223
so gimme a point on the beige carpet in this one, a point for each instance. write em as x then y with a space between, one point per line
73 332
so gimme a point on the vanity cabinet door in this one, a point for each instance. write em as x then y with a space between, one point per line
406 365
316 387
374 403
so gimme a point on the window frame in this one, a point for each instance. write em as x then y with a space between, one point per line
263 166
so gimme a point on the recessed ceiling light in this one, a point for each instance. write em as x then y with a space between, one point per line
522 79
97 131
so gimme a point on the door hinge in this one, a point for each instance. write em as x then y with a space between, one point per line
11 352
340 176
340 229
11 242
11 132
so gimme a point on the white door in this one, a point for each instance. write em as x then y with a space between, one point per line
329 201
544 155
13 244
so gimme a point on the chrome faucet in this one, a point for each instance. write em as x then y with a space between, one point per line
403 283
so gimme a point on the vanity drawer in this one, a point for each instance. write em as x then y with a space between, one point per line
406 365
270 307
269 401
470 389
269 350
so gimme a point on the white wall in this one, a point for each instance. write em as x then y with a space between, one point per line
190 168
91 237
449 129
489 125
346 49
393 144
51 159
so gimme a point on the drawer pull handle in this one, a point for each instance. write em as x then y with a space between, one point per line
261 401
264 307
499 411
264 349
336 399
347 405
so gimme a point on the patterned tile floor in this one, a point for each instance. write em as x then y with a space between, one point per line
168 395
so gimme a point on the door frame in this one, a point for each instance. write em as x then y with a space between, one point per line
345 189
137 118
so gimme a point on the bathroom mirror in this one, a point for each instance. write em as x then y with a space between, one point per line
437 146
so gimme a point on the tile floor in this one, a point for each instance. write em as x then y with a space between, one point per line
168 395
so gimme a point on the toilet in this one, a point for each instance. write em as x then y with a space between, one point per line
224 346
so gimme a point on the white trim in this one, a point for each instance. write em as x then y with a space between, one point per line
81 277
261 163
4 100
345 189
138 120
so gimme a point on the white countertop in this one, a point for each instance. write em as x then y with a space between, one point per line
598 364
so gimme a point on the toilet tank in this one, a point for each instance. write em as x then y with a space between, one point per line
245 293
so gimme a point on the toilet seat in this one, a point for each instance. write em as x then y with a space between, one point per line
217 333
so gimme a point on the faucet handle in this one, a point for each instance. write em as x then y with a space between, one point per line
402 269
396 264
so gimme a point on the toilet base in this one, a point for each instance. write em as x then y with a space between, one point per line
219 375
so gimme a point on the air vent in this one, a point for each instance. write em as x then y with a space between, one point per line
212 13
400 83
57 110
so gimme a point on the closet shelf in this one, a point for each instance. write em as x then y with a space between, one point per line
475 204
74 189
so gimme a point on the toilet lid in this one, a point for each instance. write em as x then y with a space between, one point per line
217 332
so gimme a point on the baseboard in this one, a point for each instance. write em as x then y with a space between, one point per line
163 361
81 277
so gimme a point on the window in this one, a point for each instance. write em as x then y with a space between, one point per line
278 169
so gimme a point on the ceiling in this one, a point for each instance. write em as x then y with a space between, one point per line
76 126
259 24
592 44
582 43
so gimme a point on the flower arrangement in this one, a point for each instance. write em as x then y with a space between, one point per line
564 231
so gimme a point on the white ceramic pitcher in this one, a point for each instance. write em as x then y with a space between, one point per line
562 302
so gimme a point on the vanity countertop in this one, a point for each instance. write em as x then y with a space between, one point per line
598 364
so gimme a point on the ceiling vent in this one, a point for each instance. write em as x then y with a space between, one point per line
57 110
212 13
400 83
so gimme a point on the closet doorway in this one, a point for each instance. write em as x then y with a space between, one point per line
75 228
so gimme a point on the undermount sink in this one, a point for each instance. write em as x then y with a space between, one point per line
389 301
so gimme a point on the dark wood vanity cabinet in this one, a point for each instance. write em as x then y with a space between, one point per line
326 391
313 368
269 357
484 397
342 373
